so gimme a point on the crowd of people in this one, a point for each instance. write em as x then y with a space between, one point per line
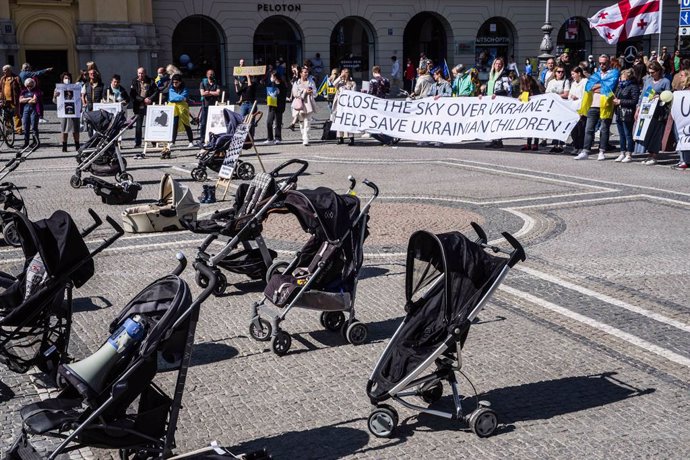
617 88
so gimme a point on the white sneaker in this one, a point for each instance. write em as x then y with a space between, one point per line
277 141
437 144
266 142
620 157
42 120
627 159
583 155
650 162
190 145
601 156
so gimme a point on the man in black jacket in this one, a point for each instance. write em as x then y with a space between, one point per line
142 93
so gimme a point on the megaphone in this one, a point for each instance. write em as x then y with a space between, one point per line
88 376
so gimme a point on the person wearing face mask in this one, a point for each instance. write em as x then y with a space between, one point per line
276 95
210 94
68 125
143 92
162 81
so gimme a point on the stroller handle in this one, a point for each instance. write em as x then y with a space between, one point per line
371 185
181 264
97 221
295 175
518 255
115 226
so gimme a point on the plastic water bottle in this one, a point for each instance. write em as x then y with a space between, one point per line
35 275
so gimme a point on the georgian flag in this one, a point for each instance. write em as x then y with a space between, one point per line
625 19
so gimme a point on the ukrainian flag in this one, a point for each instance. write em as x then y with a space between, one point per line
323 87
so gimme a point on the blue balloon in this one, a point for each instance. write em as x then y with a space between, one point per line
190 65
185 59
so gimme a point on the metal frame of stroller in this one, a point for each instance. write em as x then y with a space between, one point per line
247 221
332 317
7 129
447 356
8 200
98 145
47 327
101 421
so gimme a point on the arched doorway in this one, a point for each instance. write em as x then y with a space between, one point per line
495 38
353 45
576 37
627 48
275 38
198 44
426 33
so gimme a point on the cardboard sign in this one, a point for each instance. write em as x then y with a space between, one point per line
647 108
249 70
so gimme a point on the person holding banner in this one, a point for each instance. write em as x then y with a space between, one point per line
67 125
577 91
498 85
342 83
276 96
423 85
303 103
627 95
654 85
560 85
529 87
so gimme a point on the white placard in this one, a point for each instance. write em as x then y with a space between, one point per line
641 126
680 110
451 120
68 100
112 107
215 122
159 123
233 152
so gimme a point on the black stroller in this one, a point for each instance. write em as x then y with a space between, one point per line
219 146
323 276
101 155
36 307
448 281
112 399
10 198
243 223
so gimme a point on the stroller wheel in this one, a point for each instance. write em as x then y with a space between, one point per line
277 268
75 181
199 174
9 232
245 171
221 284
332 320
201 280
356 333
382 421
261 331
483 422
432 393
124 177
281 343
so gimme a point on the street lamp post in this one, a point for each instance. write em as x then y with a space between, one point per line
546 45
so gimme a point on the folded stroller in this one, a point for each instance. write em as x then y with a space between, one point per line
243 224
101 155
118 193
36 307
112 399
323 276
10 200
448 281
219 146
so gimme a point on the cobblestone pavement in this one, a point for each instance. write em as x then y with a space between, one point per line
583 352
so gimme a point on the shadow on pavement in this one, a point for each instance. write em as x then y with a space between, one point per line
82 304
212 352
6 392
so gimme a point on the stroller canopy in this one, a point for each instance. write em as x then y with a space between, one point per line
59 242
232 120
435 306
323 212
99 120
175 194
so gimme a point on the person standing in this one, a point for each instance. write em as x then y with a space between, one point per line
317 68
530 86
410 73
162 82
93 90
67 125
210 94
276 97
603 82
116 93
239 80
625 102
379 86
441 86
177 96
547 72
27 72
498 85
396 75
28 98
143 92
577 91
560 85
654 85
303 104
344 82
9 95
423 85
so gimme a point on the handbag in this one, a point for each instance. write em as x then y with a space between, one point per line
297 103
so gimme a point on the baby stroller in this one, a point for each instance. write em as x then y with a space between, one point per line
101 155
112 399
36 308
213 153
323 275
448 281
10 198
243 223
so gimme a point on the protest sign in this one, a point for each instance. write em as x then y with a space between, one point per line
215 122
249 70
681 116
112 107
68 100
159 123
456 119
647 108
233 152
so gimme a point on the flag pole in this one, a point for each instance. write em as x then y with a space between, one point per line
661 22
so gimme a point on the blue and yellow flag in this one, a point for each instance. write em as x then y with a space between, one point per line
323 87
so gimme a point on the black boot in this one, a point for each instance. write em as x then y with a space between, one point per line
352 142
211 194
77 146
340 140
204 194
64 146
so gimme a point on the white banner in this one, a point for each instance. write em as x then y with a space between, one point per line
455 119
681 117
68 100
159 123
112 107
